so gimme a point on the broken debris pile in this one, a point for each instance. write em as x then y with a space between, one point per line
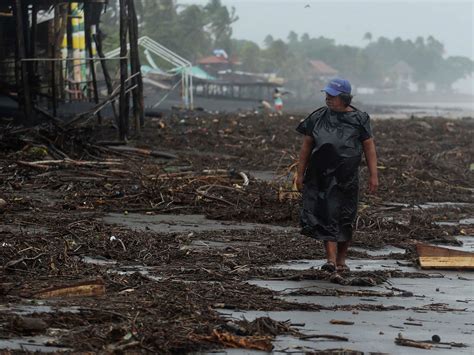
161 292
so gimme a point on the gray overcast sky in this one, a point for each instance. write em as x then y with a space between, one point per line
451 22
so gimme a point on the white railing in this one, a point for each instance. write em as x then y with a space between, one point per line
179 62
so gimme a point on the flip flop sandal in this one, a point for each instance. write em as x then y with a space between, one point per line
343 268
329 267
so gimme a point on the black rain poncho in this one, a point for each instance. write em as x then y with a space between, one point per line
331 181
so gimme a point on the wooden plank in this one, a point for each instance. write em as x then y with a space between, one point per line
433 250
442 262
80 289
146 152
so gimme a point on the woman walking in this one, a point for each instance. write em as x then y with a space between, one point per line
328 172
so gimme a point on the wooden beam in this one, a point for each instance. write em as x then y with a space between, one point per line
88 37
25 98
123 115
138 104
452 262
108 81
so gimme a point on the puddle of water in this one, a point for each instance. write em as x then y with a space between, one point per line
32 344
355 265
211 244
183 223
142 270
389 249
330 301
28 230
465 221
371 332
30 309
429 205
123 270
454 289
97 261
265 175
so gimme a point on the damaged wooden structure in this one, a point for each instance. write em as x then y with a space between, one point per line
51 55
435 257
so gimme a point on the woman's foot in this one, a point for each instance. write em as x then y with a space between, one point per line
330 266
342 268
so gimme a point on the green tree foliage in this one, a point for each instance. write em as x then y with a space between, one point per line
193 31
190 30
250 54
219 21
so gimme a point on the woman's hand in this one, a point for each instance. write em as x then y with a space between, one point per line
373 184
371 158
305 153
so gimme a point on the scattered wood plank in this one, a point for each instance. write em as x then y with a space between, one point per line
46 164
412 343
228 340
81 289
435 257
325 336
341 322
456 262
146 152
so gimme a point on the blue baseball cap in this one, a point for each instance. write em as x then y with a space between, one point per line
338 86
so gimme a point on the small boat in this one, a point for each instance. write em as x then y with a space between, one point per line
435 257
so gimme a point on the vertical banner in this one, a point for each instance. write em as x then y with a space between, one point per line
80 74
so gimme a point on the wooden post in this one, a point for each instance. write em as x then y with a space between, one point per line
123 117
53 83
33 35
59 28
25 97
108 81
138 109
90 54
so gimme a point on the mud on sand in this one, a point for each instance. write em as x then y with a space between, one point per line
160 292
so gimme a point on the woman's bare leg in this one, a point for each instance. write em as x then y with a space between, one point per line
331 251
342 248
